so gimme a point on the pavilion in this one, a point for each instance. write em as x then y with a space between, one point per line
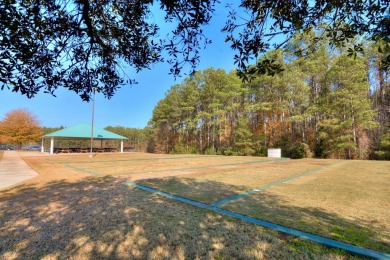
81 131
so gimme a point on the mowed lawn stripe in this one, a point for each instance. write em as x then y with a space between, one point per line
212 166
235 197
127 160
92 170
163 164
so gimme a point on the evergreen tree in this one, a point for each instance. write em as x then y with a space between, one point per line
244 142
348 114
322 102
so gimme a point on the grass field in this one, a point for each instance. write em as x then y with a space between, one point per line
348 202
78 207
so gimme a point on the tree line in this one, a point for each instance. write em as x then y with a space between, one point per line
324 104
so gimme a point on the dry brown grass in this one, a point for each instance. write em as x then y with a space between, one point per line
64 213
150 164
349 202
322 203
212 185
1 155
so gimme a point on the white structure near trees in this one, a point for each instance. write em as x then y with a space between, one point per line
275 152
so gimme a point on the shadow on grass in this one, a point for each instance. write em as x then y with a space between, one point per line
101 218
358 231
207 192
272 208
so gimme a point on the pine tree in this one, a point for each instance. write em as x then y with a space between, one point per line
348 114
244 142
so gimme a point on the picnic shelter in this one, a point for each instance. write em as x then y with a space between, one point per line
102 140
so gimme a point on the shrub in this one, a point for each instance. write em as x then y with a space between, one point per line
384 150
260 151
228 151
210 151
297 151
308 152
179 149
319 149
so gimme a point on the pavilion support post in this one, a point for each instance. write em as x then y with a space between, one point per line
42 146
52 145
122 146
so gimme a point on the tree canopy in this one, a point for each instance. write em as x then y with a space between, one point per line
82 45
19 126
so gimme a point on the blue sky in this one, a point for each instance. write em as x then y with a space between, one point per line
132 105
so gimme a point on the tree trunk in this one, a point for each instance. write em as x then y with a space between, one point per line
382 96
265 130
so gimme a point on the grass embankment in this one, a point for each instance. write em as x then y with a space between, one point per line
64 213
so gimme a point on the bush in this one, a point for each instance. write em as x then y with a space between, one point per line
210 151
297 151
319 149
177 150
228 151
308 152
181 149
260 151
192 150
384 149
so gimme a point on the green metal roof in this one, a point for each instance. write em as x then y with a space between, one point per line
83 130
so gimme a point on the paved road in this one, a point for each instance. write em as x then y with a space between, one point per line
13 170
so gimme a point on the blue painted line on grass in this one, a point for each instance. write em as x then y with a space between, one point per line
168 195
356 250
78 169
219 203
365 252
85 171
